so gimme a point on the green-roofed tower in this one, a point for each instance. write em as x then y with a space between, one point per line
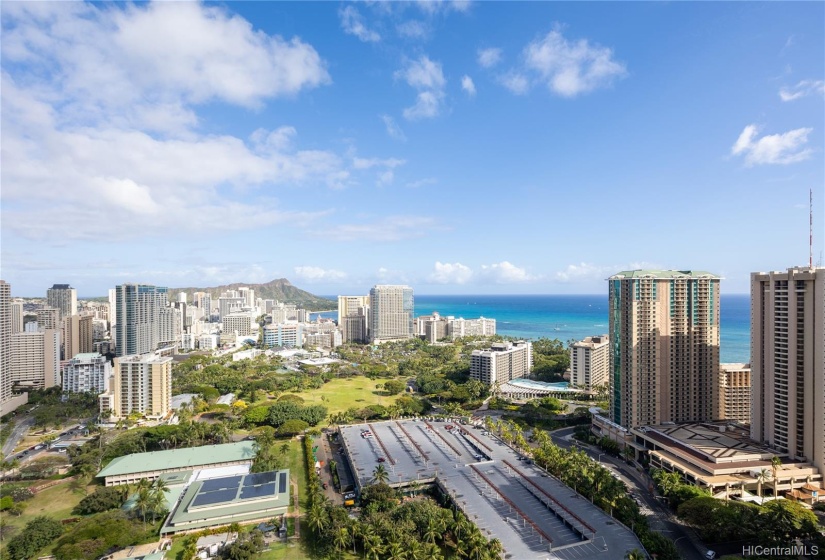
664 336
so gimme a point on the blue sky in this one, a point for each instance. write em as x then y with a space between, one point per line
457 147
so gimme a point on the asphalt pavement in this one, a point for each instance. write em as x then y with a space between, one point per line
658 515
19 430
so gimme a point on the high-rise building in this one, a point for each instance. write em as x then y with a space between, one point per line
289 335
140 384
788 361
732 398
6 383
391 312
590 362
354 318
664 346
142 319
17 314
503 362
241 323
48 318
78 335
230 304
87 373
63 298
458 328
431 328
35 359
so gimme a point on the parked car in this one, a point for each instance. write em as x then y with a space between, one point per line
381 459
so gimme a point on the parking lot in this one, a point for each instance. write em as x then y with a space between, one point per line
533 514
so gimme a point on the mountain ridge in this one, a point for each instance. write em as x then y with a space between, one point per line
279 289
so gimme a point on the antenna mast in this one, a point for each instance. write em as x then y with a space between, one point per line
810 228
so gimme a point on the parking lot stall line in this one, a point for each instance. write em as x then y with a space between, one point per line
467 433
438 444
512 505
411 440
381 444
435 431
526 480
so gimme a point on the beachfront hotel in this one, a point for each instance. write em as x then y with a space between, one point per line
590 362
664 346
788 361
502 362
391 312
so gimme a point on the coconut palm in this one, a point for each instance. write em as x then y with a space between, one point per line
143 503
373 548
495 548
341 539
380 475
763 476
634 554
776 463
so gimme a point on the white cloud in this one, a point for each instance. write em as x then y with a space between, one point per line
385 178
99 121
450 273
393 130
317 274
506 273
802 89
468 85
353 24
572 68
390 228
421 183
584 272
774 148
487 58
428 78
413 29
515 82
432 7
369 163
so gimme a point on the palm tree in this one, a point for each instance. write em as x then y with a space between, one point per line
284 448
317 519
143 503
341 539
394 551
415 550
432 531
495 548
373 548
634 554
776 463
380 475
762 477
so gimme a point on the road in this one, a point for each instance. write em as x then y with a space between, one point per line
17 434
658 515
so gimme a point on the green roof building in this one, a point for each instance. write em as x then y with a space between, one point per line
131 468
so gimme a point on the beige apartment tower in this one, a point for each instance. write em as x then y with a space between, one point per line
140 384
78 335
590 362
391 312
788 361
354 318
732 398
503 362
664 346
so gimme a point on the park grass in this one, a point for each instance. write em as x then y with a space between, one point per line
56 502
346 392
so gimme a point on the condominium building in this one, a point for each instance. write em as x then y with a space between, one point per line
17 314
431 328
78 335
391 312
230 304
242 323
353 318
590 362
48 318
788 361
35 359
5 345
732 397
63 298
87 373
460 327
139 384
502 362
289 335
142 319
208 342
664 346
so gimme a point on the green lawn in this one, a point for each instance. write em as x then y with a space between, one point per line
56 502
340 394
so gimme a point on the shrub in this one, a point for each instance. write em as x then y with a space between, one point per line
110 497
38 532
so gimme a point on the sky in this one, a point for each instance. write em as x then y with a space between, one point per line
458 147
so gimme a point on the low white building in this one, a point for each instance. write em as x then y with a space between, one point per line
87 373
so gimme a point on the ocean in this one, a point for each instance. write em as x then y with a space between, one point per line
572 317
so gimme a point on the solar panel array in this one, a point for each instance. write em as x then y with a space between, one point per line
259 485
221 483
259 491
260 478
215 497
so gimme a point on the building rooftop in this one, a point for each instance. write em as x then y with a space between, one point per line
179 458
647 273
721 442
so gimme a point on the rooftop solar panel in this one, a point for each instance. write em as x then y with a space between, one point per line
282 483
260 478
216 497
220 483
261 491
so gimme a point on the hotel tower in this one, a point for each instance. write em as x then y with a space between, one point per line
664 346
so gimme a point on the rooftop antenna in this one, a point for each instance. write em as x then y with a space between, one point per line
810 228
